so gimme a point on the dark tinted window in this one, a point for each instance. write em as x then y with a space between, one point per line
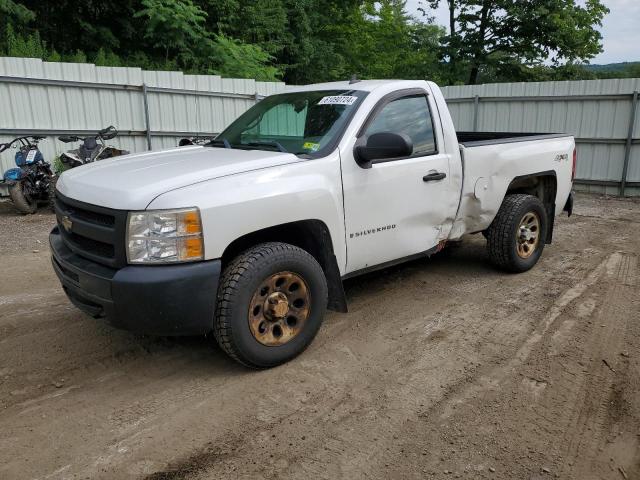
409 115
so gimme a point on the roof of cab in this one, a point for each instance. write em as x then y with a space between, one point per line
364 85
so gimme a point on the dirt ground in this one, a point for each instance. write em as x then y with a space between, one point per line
444 368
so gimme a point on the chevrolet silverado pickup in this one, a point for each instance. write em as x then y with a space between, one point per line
249 237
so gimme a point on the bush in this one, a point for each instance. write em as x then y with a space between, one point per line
58 166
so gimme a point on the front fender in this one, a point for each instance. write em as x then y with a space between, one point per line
13 175
240 204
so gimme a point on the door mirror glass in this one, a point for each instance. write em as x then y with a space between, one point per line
383 146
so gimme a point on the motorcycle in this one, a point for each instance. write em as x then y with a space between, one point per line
33 181
187 141
91 149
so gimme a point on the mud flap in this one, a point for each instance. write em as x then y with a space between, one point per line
568 207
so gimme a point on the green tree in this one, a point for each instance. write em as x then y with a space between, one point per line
320 40
107 59
179 29
175 26
501 35
15 12
232 58
305 41
30 45
12 14
383 41
66 25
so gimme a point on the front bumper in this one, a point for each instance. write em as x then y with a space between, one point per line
157 300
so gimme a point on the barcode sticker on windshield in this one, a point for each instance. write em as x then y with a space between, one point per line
338 100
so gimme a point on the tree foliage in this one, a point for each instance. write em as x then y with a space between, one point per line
303 41
504 36
390 43
175 26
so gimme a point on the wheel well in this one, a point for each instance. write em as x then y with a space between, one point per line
543 185
312 236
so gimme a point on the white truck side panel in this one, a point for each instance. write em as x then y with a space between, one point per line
489 169
237 205
390 212
447 131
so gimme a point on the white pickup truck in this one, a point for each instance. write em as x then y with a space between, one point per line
250 237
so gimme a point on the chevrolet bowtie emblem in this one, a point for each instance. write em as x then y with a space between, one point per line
66 223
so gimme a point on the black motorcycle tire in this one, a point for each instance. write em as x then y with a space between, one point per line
20 200
52 193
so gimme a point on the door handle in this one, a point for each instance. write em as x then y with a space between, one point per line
432 177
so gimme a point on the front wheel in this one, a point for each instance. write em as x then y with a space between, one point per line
517 235
21 199
271 302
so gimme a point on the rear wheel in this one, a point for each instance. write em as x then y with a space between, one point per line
21 198
271 302
517 235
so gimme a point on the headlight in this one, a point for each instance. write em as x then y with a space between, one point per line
164 236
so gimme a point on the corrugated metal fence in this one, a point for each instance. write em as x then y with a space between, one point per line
155 109
151 109
602 114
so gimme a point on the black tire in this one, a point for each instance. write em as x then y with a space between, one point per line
52 193
502 234
20 201
241 279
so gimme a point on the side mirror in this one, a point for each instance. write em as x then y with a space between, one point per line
382 146
66 139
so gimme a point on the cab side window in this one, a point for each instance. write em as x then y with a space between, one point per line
409 115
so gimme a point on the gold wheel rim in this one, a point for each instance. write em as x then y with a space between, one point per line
279 309
528 235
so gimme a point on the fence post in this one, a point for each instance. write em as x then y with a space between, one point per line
627 147
146 115
476 105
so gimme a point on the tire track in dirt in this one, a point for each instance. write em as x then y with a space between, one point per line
496 375
481 388
560 402
588 431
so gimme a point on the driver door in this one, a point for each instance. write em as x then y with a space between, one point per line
398 207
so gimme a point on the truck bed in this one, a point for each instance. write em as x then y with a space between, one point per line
493 160
476 139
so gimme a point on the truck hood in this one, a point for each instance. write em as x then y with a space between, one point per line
131 182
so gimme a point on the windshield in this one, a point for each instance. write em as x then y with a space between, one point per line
299 122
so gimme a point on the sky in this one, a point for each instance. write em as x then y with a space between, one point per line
620 29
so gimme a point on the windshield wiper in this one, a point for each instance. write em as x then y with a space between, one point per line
223 141
268 143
